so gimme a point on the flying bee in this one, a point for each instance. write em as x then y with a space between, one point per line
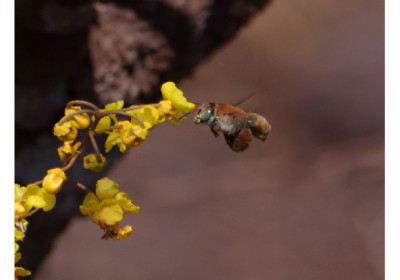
237 126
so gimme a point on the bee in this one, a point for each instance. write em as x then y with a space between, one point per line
237 126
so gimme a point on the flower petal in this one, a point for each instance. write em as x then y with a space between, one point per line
89 204
109 212
125 202
39 198
106 188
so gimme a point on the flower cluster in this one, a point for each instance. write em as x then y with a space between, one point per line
132 133
107 207
124 127
28 200
67 129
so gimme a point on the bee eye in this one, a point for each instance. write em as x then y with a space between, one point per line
205 114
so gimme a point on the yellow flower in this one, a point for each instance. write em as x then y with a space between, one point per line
108 213
90 162
118 105
80 121
65 131
30 199
124 233
106 188
126 132
18 235
112 140
134 136
165 107
175 95
113 106
107 207
53 181
66 151
20 271
148 114
127 135
175 117
17 256
105 122
179 104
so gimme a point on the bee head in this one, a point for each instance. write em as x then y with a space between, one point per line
204 113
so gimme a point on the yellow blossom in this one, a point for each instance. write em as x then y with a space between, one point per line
108 213
18 235
124 232
30 199
80 121
148 114
175 95
53 181
20 271
106 188
90 162
165 107
65 131
108 206
105 122
113 106
67 150
118 105
17 256
134 136
175 117
126 135
112 140
179 104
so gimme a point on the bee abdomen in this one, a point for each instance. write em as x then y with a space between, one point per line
260 127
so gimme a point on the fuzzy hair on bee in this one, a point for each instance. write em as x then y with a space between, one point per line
237 126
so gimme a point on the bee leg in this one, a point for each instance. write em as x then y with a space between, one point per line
240 141
214 131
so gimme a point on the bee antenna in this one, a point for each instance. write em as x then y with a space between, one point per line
189 112
248 97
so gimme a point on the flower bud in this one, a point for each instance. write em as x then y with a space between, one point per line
65 131
90 163
80 121
53 181
66 151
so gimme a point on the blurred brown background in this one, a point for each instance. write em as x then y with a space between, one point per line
306 204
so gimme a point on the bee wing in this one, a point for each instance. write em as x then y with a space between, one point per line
240 141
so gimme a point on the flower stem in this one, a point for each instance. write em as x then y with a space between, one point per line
79 185
118 112
88 111
82 102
